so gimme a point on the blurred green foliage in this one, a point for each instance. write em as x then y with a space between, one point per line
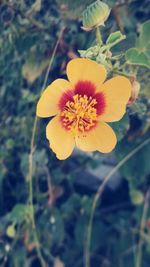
63 191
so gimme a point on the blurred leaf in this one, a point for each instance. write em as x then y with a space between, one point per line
87 205
29 96
2 251
71 206
19 213
143 41
52 224
137 197
56 227
36 7
20 257
121 128
140 55
24 164
31 70
137 167
99 233
39 159
72 9
135 57
10 143
115 38
58 263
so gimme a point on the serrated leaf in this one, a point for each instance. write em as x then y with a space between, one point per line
135 57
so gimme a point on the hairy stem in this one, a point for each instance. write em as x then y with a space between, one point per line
98 36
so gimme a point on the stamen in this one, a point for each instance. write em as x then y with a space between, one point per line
79 114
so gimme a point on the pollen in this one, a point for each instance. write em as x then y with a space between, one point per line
79 114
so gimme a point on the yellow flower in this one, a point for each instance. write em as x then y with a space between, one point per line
82 106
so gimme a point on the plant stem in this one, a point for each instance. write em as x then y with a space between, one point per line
123 73
98 36
99 193
142 226
32 149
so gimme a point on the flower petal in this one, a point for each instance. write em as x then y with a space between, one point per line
101 138
61 141
48 104
117 92
82 69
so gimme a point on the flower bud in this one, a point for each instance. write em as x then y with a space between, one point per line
95 15
135 89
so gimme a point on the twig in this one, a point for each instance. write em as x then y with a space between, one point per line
117 15
99 193
50 187
98 36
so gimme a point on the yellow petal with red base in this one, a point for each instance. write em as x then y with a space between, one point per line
61 141
48 104
101 138
117 92
81 69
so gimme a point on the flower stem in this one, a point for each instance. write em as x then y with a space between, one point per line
32 149
123 73
99 193
98 36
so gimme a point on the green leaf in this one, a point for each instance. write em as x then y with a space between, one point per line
140 55
52 224
73 204
10 143
136 168
143 41
19 213
99 233
115 38
31 70
39 158
135 57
